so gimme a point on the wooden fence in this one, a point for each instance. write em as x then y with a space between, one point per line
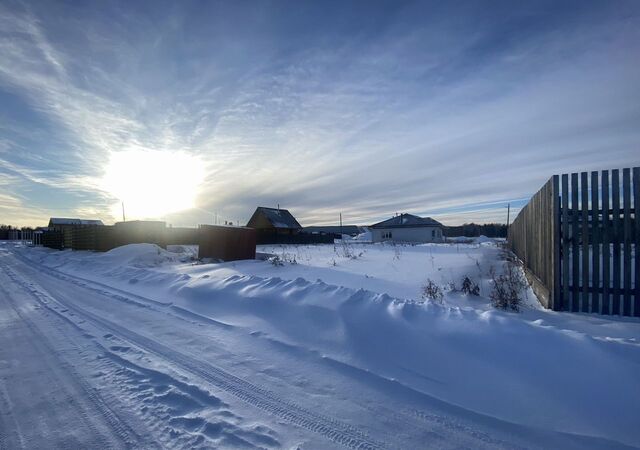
103 238
578 237
270 238
226 242
533 238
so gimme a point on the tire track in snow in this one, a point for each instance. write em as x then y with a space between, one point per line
5 404
43 341
250 393
94 286
125 296
124 433
403 416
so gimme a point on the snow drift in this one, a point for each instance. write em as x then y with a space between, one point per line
547 370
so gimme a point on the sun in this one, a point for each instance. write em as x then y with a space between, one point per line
152 183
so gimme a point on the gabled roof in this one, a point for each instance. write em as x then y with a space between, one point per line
407 221
279 218
65 221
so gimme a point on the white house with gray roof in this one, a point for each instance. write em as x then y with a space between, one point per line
407 228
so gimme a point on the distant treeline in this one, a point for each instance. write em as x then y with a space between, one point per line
4 232
474 229
5 229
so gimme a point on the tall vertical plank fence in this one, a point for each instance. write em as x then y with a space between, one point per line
578 238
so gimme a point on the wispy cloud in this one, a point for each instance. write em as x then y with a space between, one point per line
427 109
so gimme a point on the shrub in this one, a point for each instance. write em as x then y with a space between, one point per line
276 261
347 251
469 287
508 287
432 292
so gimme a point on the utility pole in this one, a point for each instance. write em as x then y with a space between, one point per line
340 225
124 219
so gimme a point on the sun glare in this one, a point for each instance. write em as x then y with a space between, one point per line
152 183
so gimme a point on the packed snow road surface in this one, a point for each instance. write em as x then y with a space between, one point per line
87 361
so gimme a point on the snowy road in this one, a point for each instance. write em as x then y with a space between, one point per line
83 365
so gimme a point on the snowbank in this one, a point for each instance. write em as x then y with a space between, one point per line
367 236
473 240
360 307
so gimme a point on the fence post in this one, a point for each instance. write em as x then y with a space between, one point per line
606 249
575 250
636 227
556 299
596 304
626 188
584 191
615 200
565 242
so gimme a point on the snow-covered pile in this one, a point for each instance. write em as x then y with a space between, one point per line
482 239
361 306
137 255
132 255
366 236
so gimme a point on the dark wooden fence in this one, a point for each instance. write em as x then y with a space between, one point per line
270 238
578 238
218 242
182 236
99 238
533 238
53 239
103 238
226 242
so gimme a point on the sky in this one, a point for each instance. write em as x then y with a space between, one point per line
199 111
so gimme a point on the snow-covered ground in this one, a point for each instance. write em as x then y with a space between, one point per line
327 346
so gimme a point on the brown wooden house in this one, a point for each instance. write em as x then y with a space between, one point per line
274 221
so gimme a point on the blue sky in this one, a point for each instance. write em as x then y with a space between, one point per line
449 109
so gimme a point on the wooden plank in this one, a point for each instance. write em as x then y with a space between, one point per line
596 304
564 248
606 239
636 240
546 239
626 190
575 250
615 240
555 237
584 205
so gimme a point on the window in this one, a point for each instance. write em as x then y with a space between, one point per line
386 235
433 233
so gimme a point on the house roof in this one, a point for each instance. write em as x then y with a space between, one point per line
279 218
407 221
65 221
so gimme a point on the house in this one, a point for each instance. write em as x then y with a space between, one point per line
274 221
65 227
60 224
407 228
